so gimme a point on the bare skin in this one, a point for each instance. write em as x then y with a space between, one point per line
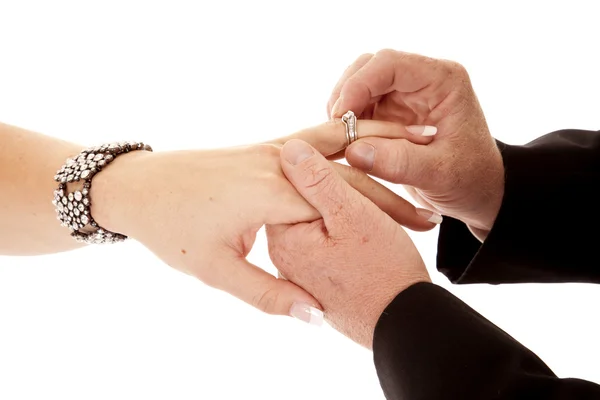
461 173
198 211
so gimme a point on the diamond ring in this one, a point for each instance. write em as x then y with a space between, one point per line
349 120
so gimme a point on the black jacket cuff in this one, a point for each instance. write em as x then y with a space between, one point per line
541 231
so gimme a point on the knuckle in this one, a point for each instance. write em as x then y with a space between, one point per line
267 301
269 150
455 70
387 54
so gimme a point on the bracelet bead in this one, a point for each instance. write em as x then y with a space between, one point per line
73 207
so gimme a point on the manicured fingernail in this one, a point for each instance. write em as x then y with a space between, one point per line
336 105
295 151
430 216
363 155
422 130
307 313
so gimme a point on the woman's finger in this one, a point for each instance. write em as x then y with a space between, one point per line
389 202
262 290
329 138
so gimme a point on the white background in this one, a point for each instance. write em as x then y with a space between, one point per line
114 322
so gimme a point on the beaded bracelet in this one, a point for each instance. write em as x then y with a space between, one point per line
73 208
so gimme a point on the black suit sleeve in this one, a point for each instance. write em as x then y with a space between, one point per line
547 227
429 345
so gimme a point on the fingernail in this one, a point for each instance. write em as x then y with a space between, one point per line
423 130
307 313
336 105
430 216
295 151
364 156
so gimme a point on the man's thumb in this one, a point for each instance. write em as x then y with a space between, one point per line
395 160
316 180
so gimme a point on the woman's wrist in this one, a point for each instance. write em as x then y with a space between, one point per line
117 193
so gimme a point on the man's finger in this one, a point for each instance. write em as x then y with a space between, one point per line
390 70
269 294
329 138
397 161
351 70
389 202
317 181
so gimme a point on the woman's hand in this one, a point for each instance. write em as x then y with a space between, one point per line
199 211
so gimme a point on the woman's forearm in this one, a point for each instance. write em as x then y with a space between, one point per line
28 163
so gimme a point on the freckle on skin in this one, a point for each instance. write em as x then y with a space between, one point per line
183 251
210 199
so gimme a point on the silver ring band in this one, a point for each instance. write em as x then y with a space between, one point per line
349 120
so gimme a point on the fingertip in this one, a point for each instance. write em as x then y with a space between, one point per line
361 155
408 216
422 226
280 297
295 151
354 96
429 216
300 304
421 130
418 139
307 313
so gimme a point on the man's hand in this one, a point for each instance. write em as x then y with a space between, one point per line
355 259
459 174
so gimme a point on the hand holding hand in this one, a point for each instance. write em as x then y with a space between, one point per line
460 174
199 211
355 259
